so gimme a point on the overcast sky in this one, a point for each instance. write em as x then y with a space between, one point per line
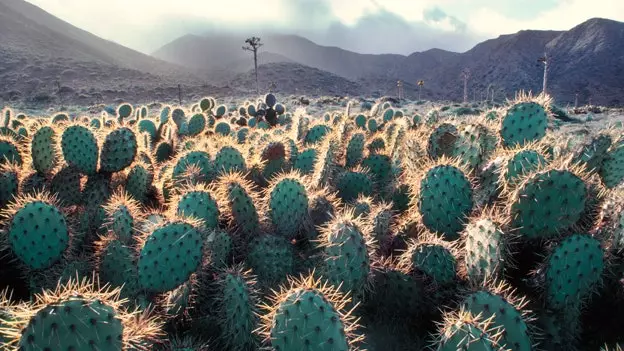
366 26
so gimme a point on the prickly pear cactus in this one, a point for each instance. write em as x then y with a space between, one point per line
121 212
219 245
274 154
196 124
198 203
37 233
380 166
80 148
521 163
118 151
612 170
238 203
316 134
237 309
116 266
272 259
464 331
433 258
306 160
9 151
9 183
139 181
445 198
355 150
196 158
573 271
484 250
547 203
347 262
397 293
229 159
351 184
442 141
223 128
288 205
506 312
594 153
163 151
43 150
170 254
66 184
308 316
523 122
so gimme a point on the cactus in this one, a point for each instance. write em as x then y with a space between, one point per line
196 124
433 257
594 153
229 159
506 312
237 199
115 264
223 128
148 126
37 231
272 259
442 140
612 170
219 244
179 117
66 183
60 118
346 258
306 159
353 183
522 162
119 150
309 316
206 104
236 308
380 166
9 183
163 152
376 143
484 248
323 205
198 158
355 150
525 120
169 255
288 204
77 314
80 148
549 201
274 154
444 198
9 151
372 125
464 331
43 150
572 272
123 214
139 181
197 202
316 134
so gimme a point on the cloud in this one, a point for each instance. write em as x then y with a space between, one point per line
367 26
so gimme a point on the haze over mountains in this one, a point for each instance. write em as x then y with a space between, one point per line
40 53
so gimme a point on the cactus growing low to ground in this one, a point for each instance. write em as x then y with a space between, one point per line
409 228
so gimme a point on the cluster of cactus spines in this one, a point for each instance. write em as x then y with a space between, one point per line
442 140
525 120
229 159
80 314
307 314
550 200
325 165
169 255
118 150
306 159
139 180
462 330
177 302
37 233
594 153
10 151
287 205
80 148
444 197
380 166
506 311
195 157
355 150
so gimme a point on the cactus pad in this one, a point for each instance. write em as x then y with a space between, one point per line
80 148
288 205
524 122
43 150
271 258
118 151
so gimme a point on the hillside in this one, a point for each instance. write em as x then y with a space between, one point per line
44 59
587 59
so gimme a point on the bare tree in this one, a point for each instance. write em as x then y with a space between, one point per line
420 85
253 44
400 89
465 75
545 60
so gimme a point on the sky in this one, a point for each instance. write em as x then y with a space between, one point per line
365 26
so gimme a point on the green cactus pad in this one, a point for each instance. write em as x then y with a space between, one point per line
219 244
360 121
9 152
306 320
347 263
66 185
196 124
275 156
521 163
197 158
380 166
436 261
80 148
288 206
38 234
376 144
488 305
484 250
351 184
117 267
164 151
548 203
148 126
118 151
43 150
396 293
229 159
316 134
594 153
9 185
573 271
442 141
444 200
124 111
171 253
612 170
272 259
72 324
355 150
122 224
467 334
201 205
223 128
241 208
524 122
236 312
306 160
138 182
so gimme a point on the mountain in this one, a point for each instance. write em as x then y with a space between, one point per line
587 59
44 59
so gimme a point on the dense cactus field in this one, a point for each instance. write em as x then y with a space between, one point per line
207 227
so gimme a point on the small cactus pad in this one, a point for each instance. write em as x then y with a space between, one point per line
445 199
463 331
435 260
118 151
524 122
271 258
199 204
612 170
43 150
548 203
237 310
521 163
80 148
484 250
288 206
573 271
229 159
352 184
219 244
171 253
38 234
